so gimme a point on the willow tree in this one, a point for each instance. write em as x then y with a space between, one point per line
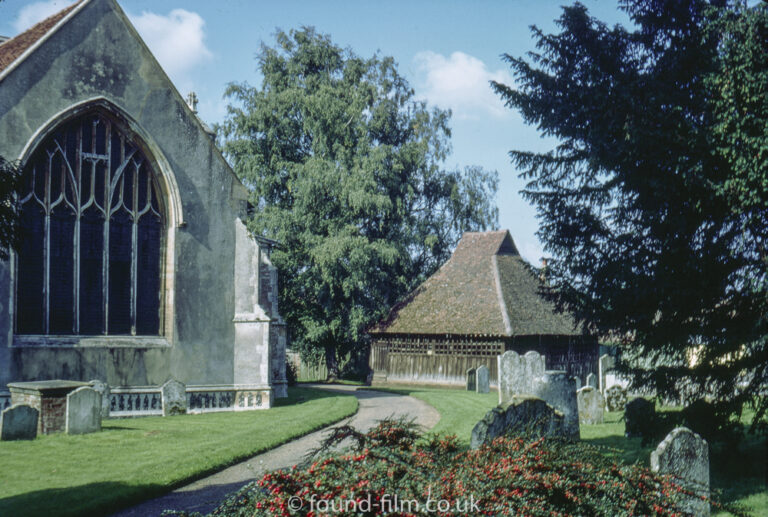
346 171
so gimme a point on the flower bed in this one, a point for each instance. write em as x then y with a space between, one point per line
390 471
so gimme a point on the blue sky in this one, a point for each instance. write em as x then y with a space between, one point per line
448 50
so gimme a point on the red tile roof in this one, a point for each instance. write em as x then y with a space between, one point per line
15 47
484 288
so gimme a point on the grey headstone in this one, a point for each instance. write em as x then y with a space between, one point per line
471 381
685 455
604 364
19 422
591 405
174 398
639 418
103 389
523 415
558 390
83 411
517 374
592 380
483 379
615 398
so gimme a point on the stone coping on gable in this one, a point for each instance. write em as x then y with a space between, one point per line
40 341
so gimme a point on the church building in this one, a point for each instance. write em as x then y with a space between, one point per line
134 265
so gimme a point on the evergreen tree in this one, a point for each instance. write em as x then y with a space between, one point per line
346 171
654 204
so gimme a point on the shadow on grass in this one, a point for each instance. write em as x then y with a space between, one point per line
93 499
302 394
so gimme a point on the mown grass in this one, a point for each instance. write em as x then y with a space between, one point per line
132 460
738 470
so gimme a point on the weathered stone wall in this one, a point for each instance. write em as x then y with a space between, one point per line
96 58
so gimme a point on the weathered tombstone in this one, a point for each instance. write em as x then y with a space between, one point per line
83 411
103 389
639 418
471 381
591 405
577 381
592 380
605 363
685 455
174 398
615 398
18 422
558 390
524 415
483 378
517 374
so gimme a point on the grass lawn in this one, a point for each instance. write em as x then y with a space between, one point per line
738 471
132 460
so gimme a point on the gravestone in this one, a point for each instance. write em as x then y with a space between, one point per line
483 378
577 381
558 390
591 405
524 415
18 422
83 411
103 389
615 398
471 381
604 364
592 380
174 394
639 418
684 455
517 374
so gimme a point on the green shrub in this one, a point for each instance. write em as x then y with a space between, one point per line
511 476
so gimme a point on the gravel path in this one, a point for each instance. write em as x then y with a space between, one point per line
205 494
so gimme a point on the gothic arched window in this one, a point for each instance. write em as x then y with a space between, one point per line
92 219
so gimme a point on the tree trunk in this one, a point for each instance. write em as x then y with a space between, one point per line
331 362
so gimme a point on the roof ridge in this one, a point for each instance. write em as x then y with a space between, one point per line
500 294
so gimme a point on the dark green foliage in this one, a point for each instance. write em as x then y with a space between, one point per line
346 171
9 181
655 202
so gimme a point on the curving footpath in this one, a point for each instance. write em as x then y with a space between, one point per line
206 494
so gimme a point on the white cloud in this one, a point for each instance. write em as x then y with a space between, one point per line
39 11
177 41
460 82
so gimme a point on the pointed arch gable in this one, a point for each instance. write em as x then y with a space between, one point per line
125 233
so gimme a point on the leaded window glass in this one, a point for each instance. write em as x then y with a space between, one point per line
92 222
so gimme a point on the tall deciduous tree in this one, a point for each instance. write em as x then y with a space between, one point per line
346 171
655 202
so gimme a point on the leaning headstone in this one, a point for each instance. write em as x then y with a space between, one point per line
523 415
591 380
684 455
471 381
615 398
591 405
604 364
18 422
174 398
639 418
103 389
483 378
558 390
518 374
83 411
